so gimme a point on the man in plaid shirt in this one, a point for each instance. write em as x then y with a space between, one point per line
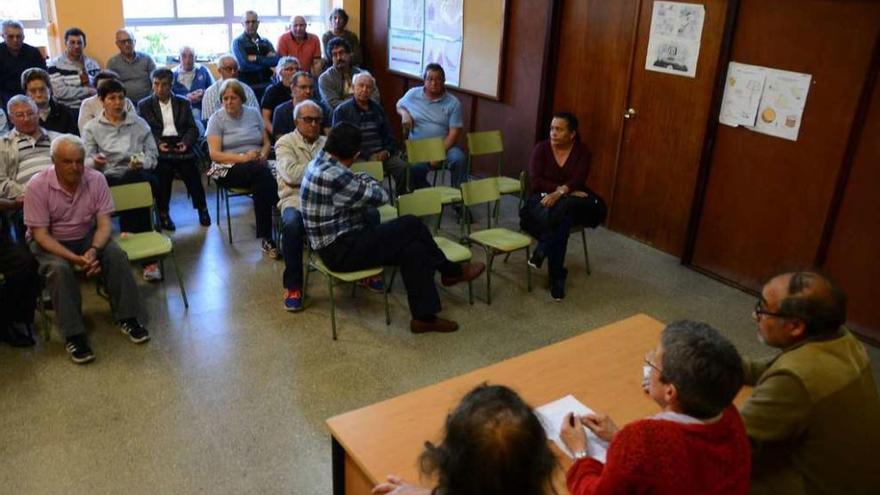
337 206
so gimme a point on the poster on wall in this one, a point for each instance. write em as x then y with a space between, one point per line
405 51
742 94
447 53
421 32
674 42
782 104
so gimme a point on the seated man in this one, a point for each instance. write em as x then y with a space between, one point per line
119 144
134 67
72 71
814 415
16 56
430 111
53 115
697 444
377 142
228 68
171 121
67 211
24 152
336 207
92 107
191 80
302 88
336 82
293 152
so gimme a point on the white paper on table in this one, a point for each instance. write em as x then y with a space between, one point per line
553 414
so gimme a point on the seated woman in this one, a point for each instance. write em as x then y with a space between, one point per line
338 23
279 91
493 445
119 144
697 444
239 146
560 199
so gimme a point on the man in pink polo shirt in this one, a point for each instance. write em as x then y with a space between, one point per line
67 211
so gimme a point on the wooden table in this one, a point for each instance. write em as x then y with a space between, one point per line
601 368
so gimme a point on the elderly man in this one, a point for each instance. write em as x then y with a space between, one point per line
256 56
293 152
336 82
814 415
430 111
696 444
134 68
24 152
67 211
279 91
228 68
191 80
71 71
53 115
377 142
171 122
302 88
336 207
16 56
298 43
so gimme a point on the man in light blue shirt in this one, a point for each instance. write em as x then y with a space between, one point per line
430 111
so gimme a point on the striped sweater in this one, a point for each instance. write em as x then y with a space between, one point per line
66 85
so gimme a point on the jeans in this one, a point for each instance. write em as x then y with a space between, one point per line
293 234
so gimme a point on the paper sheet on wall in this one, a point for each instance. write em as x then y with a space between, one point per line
444 25
553 414
447 53
742 94
782 104
405 51
674 42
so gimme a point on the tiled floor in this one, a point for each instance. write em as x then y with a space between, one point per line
231 395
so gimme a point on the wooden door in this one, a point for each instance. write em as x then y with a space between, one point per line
767 199
661 146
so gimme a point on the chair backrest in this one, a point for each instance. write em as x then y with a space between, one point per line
131 196
479 191
425 150
485 142
373 169
421 203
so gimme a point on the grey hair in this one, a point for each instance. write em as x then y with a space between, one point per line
186 47
362 74
307 103
287 60
247 13
66 139
704 366
10 23
226 56
18 100
126 31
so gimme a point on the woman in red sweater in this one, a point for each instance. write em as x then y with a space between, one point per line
696 445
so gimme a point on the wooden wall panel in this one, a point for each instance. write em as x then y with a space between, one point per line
595 47
767 199
854 253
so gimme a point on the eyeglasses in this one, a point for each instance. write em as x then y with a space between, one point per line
24 115
305 86
760 311
228 69
126 41
251 22
649 360
310 120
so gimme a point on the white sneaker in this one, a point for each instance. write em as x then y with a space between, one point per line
152 273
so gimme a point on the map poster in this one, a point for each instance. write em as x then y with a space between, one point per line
674 43
782 104
407 14
444 25
742 94
405 51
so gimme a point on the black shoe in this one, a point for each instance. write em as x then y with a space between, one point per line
167 224
557 288
536 260
135 331
204 217
79 350
19 335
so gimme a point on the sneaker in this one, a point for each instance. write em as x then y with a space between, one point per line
293 300
152 273
79 350
135 331
373 284
268 246
536 260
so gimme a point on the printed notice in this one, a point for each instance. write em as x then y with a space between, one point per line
674 43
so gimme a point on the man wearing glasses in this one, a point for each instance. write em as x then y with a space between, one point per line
134 68
228 69
814 415
302 88
16 56
256 56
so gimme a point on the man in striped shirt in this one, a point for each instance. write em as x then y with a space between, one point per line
24 152
72 71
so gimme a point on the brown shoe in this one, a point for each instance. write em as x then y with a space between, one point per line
438 325
469 271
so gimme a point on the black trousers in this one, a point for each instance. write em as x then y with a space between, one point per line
185 165
405 242
258 178
135 220
19 291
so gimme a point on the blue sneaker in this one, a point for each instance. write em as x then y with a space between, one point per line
293 300
373 284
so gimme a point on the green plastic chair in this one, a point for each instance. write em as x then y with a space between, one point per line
225 193
430 150
491 143
493 240
144 245
316 263
375 170
424 203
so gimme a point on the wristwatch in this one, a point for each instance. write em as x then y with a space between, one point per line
580 455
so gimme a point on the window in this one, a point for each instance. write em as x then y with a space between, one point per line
209 26
31 13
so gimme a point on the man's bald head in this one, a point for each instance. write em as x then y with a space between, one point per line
814 299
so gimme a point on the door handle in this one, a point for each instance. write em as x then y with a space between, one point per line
630 113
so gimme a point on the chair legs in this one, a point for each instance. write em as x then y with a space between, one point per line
179 280
586 251
228 216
